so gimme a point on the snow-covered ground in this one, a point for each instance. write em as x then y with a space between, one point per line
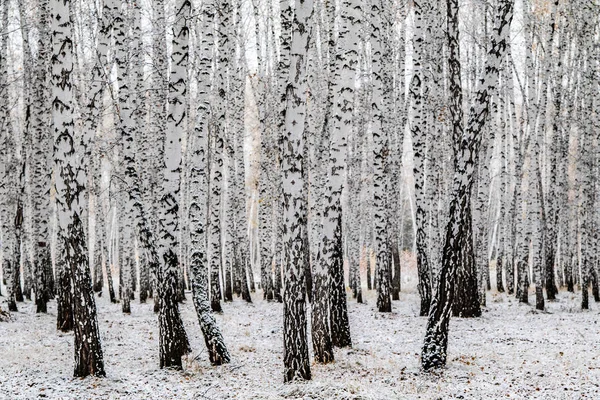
510 352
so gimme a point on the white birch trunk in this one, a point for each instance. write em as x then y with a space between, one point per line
41 169
213 338
380 107
436 336
296 360
70 194
332 255
173 338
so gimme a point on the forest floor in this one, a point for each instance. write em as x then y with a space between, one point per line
512 351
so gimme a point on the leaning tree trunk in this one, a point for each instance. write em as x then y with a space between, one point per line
217 351
70 194
436 336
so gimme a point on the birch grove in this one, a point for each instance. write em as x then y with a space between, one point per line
265 165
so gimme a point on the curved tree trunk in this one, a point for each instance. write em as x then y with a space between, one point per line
217 350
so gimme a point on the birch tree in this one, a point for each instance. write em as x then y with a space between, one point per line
41 162
380 154
331 251
219 133
173 338
418 132
217 351
70 193
295 359
436 336
9 212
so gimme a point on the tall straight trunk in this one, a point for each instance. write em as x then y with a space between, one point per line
260 87
9 209
552 212
108 260
539 224
379 106
41 164
432 145
331 252
138 106
282 67
265 213
99 245
125 127
320 323
562 146
520 147
220 127
5 141
436 336
588 192
502 260
26 146
158 122
418 133
70 194
230 242
173 338
321 333
354 225
295 354
18 226
21 165
242 246
397 189
147 155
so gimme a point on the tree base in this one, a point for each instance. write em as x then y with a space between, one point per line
434 352
215 305
41 306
